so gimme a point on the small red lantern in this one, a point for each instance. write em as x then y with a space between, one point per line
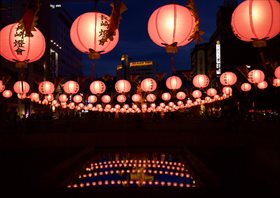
256 76
151 97
17 47
136 98
246 87
2 86
34 97
97 87
121 98
77 98
86 34
63 98
228 78
46 87
148 85
71 87
7 93
256 20
122 86
166 96
196 94
173 82
277 72
21 87
227 90
211 92
201 81
106 99
262 85
92 99
170 26
181 95
276 82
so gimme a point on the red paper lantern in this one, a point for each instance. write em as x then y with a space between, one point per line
262 85
148 85
227 90
256 20
276 82
63 98
21 49
256 76
196 94
136 98
173 82
2 86
151 97
246 87
21 87
7 93
170 26
121 98
71 87
106 99
122 86
211 92
181 95
277 72
46 87
228 78
97 87
201 81
85 34
92 99
166 96
77 98
34 97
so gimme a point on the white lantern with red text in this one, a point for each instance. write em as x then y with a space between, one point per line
151 97
181 95
173 82
256 76
21 87
106 99
201 81
148 85
196 94
122 86
97 87
7 93
77 98
136 98
211 92
92 99
46 87
246 87
71 87
166 96
227 90
121 98
228 78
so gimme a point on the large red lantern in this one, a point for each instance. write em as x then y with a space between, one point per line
262 85
277 72
97 87
86 35
148 85
21 87
17 47
256 20
71 87
2 86
170 26
7 93
256 76
46 87
228 78
246 87
173 82
122 86
201 81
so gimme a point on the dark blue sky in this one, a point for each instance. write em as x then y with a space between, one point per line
134 39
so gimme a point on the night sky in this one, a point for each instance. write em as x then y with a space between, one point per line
134 39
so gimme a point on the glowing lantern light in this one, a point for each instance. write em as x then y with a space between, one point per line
211 92
256 76
97 87
201 81
227 90
148 85
106 99
85 34
277 72
228 78
121 98
136 98
166 96
151 97
49 97
34 97
276 82
46 87
71 87
262 85
92 99
77 98
122 86
7 93
21 87
181 95
2 86
25 50
171 26
21 96
196 94
246 87
63 98
173 82
256 20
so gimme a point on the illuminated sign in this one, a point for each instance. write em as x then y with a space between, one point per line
218 58
140 63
